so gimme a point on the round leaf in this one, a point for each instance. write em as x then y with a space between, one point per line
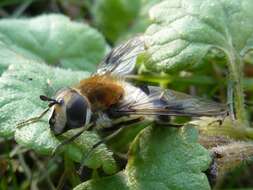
160 158
53 39
186 31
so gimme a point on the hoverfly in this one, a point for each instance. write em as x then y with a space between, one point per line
103 99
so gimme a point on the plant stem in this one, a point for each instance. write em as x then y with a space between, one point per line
235 76
150 78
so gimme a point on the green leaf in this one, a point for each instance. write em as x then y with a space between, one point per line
53 39
22 84
113 17
20 88
185 31
160 158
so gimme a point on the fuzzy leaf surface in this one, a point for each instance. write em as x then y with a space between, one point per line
160 158
185 32
51 39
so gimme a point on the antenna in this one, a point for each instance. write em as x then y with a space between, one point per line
51 100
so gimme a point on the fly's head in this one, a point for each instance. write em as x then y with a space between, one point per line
70 110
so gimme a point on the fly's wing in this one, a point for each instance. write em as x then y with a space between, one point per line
121 60
172 103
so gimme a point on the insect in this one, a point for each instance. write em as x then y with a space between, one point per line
106 101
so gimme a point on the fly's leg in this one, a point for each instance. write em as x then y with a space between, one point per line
67 141
32 120
123 122
117 126
126 119
219 121
104 140
71 139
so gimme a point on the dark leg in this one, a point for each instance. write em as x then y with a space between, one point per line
32 120
219 121
117 126
67 141
122 122
104 140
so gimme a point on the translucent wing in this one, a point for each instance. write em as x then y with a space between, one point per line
121 60
171 103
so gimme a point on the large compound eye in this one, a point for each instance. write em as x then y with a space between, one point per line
77 111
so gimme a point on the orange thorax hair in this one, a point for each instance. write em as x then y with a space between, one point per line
102 91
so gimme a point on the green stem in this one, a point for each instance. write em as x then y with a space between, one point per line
235 76
151 78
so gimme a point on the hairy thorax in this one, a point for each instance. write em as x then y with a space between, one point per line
102 91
